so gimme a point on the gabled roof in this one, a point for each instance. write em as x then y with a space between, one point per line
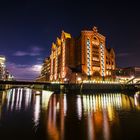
66 35
58 40
53 45
110 50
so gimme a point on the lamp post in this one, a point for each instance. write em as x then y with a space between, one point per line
76 78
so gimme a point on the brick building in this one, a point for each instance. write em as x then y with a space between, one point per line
80 59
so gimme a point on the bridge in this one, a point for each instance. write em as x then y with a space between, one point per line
31 84
133 80
23 83
97 87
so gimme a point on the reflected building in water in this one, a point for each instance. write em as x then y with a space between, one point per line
97 115
55 112
23 99
65 116
18 99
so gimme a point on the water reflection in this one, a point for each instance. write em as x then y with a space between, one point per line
18 98
24 99
37 110
137 100
79 107
56 113
69 116
99 113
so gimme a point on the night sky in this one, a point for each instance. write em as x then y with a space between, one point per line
28 28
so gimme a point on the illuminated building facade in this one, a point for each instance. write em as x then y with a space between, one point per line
2 67
97 60
81 59
4 73
127 74
62 58
45 71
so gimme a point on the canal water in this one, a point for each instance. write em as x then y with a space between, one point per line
26 114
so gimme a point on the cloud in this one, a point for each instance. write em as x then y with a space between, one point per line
24 72
35 51
124 54
22 53
34 54
39 60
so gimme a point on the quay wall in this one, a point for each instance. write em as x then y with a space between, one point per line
90 87
86 87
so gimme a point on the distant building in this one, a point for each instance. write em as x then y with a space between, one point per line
2 67
45 71
4 73
80 59
126 74
9 76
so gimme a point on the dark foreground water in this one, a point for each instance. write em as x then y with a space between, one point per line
27 115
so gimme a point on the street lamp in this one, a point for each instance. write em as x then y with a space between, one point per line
79 79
